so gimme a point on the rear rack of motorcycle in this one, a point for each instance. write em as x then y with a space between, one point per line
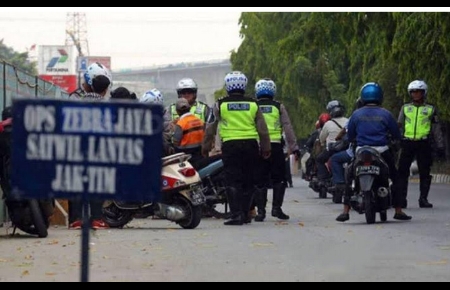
176 158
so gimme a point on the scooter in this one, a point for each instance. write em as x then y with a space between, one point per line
182 198
28 215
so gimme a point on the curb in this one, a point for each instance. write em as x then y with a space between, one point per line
437 178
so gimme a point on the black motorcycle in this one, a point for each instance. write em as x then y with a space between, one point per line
29 215
369 176
214 187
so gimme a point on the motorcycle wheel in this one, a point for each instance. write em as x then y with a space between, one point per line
371 214
217 207
40 226
383 216
193 213
116 217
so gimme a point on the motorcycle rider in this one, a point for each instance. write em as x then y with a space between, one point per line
420 126
339 159
371 126
328 136
274 168
86 86
188 133
311 146
97 82
241 123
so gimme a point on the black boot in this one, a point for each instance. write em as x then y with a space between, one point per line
261 202
247 202
424 191
279 190
235 201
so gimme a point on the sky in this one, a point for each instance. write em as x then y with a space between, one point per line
132 37
137 37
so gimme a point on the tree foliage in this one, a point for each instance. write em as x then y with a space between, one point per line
317 57
17 59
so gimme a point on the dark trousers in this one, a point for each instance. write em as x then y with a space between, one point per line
240 159
422 151
322 171
288 170
272 170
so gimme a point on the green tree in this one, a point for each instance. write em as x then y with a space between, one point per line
16 59
316 57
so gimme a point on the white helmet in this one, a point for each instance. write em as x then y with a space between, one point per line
186 84
154 96
235 81
418 85
94 70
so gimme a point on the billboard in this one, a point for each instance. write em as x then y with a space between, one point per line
57 60
84 61
67 83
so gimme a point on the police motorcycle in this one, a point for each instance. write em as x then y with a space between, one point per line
369 177
28 215
182 197
212 175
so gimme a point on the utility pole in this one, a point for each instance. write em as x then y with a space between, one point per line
76 34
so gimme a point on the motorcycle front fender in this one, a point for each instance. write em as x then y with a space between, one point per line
366 182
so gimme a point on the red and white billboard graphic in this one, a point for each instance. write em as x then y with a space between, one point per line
57 60
84 62
66 83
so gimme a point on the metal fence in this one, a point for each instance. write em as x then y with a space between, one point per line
15 83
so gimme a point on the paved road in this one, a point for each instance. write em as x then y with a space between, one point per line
310 247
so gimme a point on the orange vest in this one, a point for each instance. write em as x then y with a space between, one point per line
193 132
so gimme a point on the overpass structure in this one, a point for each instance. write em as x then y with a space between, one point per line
209 76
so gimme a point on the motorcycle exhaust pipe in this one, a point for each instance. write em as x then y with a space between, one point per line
383 192
170 212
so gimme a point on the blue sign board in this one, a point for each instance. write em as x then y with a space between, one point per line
107 150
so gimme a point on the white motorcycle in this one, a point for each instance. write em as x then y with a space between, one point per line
182 197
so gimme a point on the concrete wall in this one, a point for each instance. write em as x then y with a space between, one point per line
209 78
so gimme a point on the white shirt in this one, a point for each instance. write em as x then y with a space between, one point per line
330 131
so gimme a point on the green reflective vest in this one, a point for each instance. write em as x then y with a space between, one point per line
238 115
272 114
418 121
199 110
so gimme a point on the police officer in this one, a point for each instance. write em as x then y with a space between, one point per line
187 88
189 132
274 168
419 122
241 124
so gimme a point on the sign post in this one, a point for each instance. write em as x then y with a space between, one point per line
86 150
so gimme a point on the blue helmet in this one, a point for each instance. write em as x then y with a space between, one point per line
372 93
265 87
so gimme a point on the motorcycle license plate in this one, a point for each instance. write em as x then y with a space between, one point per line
367 170
197 195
